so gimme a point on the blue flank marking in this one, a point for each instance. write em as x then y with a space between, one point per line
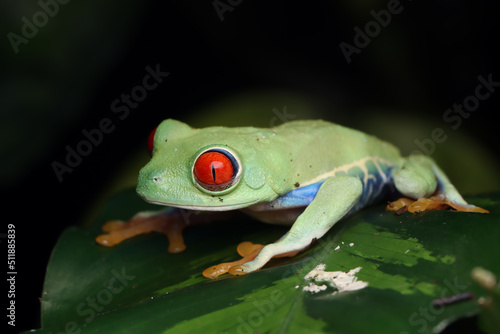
297 198
374 190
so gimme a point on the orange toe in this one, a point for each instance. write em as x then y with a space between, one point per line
113 225
246 247
426 204
399 204
468 208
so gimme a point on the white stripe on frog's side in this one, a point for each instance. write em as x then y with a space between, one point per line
373 172
358 163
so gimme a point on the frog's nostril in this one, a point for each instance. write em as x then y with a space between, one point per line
150 176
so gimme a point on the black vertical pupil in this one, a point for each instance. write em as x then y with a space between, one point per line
214 176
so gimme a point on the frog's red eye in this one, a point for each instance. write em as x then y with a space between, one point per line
151 141
215 169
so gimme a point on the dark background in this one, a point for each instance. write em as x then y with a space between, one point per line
66 77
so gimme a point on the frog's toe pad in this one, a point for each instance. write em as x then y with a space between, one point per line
108 240
238 270
246 248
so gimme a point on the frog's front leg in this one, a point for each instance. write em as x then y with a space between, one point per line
170 222
335 197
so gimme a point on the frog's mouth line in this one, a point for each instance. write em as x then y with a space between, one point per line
206 208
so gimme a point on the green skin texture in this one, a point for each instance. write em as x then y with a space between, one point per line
276 161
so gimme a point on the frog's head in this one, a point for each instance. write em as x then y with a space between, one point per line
212 169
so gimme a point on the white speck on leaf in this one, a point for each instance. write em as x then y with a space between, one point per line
337 248
313 288
339 280
351 244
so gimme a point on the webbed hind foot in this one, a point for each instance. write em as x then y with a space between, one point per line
432 203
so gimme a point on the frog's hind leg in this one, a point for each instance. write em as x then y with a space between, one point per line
427 187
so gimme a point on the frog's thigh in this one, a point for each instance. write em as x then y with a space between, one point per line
334 199
415 177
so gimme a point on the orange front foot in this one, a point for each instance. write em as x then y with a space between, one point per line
118 231
432 203
248 251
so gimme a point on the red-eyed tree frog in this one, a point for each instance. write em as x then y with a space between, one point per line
306 174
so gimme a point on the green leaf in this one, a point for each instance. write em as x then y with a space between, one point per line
137 287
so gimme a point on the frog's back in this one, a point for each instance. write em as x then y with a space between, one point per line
338 144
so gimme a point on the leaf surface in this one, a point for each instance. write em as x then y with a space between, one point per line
137 286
